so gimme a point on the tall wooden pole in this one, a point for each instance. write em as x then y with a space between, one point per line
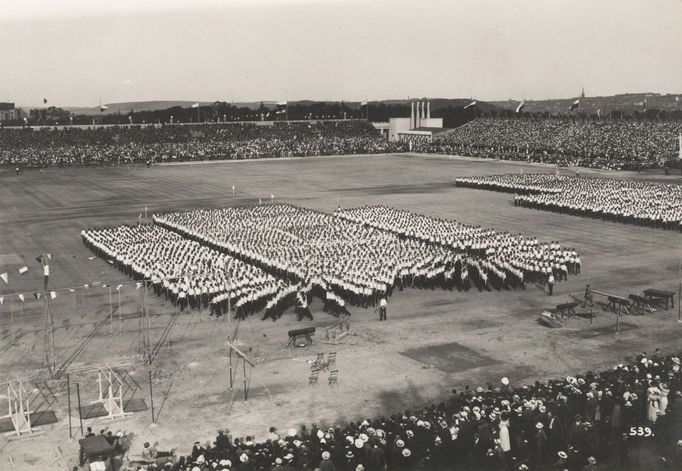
78 396
151 395
68 397
49 323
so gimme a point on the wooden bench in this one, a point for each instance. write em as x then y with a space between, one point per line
306 333
566 309
660 295
641 303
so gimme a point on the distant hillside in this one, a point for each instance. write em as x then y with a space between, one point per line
138 106
124 108
626 103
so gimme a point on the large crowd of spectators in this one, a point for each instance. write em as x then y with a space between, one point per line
628 201
582 422
609 144
28 148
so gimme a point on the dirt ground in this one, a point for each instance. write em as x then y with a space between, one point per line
434 340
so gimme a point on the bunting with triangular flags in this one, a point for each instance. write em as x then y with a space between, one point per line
37 296
23 270
5 277
53 294
21 297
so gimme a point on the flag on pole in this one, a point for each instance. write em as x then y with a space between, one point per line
364 103
21 297
118 288
23 270
576 104
195 105
53 294
473 103
520 107
102 108
5 277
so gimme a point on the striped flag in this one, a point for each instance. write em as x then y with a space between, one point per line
102 108
473 103
195 105
576 104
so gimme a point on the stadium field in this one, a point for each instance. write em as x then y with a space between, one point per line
434 340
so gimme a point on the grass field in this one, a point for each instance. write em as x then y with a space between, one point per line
434 340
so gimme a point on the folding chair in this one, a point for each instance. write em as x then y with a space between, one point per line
331 360
318 363
312 379
333 378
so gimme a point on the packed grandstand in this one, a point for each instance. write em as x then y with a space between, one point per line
596 143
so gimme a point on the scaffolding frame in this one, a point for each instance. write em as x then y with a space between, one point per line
110 392
19 408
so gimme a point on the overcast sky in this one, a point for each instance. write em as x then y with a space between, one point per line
76 52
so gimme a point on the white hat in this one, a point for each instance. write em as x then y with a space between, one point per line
201 459
364 437
244 458
505 380
326 455
278 460
291 432
359 443
406 452
562 455
399 443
